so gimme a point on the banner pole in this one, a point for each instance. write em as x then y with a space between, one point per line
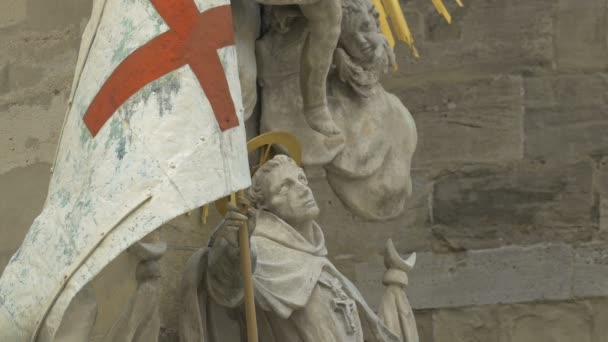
252 326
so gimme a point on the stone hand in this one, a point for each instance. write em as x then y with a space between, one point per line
234 219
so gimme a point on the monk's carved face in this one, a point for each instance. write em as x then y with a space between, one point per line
287 195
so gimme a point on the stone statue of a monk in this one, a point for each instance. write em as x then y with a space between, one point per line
300 295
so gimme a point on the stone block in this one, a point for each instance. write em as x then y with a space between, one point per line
487 36
525 203
29 133
566 133
470 324
55 51
350 238
5 257
530 323
168 335
22 76
424 323
518 323
434 27
566 117
23 194
580 35
4 80
603 195
12 12
497 276
476 120
600 317
590 271
57 14
38 70
368 279
96 338
567 90
504 275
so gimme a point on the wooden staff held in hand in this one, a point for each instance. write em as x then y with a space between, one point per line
236 229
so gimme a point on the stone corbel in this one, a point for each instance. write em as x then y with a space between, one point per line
140 321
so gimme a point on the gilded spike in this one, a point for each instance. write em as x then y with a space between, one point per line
395 13
384 26
440 6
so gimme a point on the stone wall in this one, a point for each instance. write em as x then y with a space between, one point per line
511 107
510 207
39 42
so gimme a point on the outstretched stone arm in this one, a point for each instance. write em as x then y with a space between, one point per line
395 310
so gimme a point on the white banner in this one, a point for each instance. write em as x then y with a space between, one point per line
154 129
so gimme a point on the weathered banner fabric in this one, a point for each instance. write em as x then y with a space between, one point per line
154 129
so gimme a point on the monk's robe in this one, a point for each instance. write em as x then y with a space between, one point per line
300 295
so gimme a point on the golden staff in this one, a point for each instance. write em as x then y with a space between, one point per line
265 144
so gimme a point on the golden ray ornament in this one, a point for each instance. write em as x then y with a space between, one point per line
440 7
392 9
384 25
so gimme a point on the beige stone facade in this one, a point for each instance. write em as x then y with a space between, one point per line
510 207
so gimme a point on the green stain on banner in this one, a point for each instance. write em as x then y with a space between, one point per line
163 91
117 135
127 43
122 48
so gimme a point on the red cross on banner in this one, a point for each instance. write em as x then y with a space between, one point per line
193 39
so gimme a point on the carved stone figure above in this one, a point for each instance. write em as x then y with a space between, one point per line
321 38
300 295
315 58
368 166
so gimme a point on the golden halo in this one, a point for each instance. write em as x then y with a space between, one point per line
287 143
